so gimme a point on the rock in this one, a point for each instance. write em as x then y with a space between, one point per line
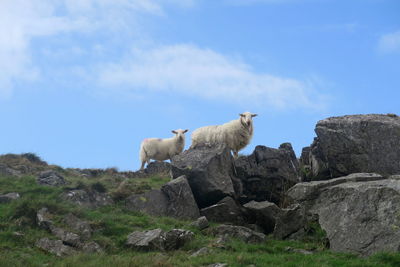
6 171
356 143
55 247
91 247
43 219
177 238
147 240
181 202
225 211
9 197
208 170
268 173
68 238
200 252
153 202
92 199
159 240
264 214
218 265
290 221
84 229
158 168
201 223
51 178
245 234
359 213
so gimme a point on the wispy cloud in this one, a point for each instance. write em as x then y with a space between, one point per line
24 20
390 43
204 73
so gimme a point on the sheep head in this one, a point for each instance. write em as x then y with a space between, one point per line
246 118
180 134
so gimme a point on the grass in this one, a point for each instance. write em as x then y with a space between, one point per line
112 224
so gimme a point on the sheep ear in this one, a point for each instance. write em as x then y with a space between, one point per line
185 131
254 115
241 115
173 131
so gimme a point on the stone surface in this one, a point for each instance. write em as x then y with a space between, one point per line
356 143
55 247
157 239
68 238
92 199
360 212
147 240
51 178
290 221
6 171
243 233
267 173
153 202
264 214
177 238
83 227
225 211
209 171
9 197
158 168
201 223
181 202
91 247
200 252
43 219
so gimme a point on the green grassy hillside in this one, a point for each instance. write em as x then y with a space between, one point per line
112 224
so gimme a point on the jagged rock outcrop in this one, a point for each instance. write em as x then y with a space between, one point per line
209 172
360 212
51 178
264 214
225 211
175 199
55 247
356 143
268 173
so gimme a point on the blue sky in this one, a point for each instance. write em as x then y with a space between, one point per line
82 82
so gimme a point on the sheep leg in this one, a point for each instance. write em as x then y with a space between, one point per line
235 154
142 167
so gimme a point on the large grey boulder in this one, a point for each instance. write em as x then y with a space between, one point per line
356 143
153 202
6 171
43 219
209 171
175 199
264 214
181 202
68 238
225 211
268 173
360 213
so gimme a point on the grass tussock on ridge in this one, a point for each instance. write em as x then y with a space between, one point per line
112 224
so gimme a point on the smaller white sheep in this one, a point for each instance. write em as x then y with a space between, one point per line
162 149
236 134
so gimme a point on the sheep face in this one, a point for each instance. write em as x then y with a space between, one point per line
180 134
246 118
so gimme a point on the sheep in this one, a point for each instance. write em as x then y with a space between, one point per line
236 134
162 149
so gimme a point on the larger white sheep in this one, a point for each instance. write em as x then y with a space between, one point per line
162 149
235 134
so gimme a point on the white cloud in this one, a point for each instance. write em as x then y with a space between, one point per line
24 20
390 43
187 69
